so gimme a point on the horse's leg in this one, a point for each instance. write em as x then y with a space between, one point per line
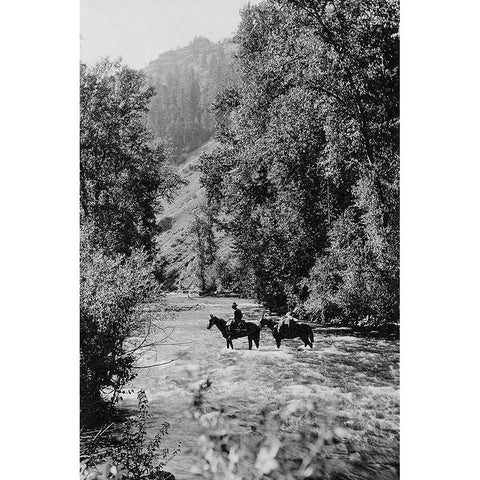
308 341
228 343
279 341
249 342
256 339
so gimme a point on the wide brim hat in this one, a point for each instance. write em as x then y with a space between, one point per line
234 304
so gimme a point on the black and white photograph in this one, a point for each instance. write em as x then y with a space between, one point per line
239 239
214 264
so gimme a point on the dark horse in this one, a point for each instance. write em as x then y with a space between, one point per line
252 331
293 330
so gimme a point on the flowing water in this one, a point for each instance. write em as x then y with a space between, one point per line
354 379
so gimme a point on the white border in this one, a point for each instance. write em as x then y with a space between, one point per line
39 241
439 239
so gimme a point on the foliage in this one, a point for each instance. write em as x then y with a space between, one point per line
289 442
307 167
224 273
216 268
357 280
123 177
165 224
135 457
123 173
205 247
111 290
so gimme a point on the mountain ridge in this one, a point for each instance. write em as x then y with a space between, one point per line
187 81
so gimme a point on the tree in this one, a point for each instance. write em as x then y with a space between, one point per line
205 247
361 40
123 174
308 138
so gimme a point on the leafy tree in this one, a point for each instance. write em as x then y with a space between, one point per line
123 177
361 39
205 247
123 174
307 167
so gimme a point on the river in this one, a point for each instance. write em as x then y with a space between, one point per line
354 379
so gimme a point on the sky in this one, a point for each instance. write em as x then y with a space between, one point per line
139 30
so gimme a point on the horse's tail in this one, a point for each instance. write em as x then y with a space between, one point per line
310 334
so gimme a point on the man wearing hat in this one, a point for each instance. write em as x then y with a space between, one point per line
237 318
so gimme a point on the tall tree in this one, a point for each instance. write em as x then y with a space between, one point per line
308 138
123 174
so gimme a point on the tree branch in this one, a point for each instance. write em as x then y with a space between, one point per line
157 364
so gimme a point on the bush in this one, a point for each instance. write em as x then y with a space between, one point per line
357 279
111 290
165 224
135 457
287 443
222 275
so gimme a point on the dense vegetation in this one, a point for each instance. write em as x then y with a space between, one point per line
306 175
137 457
123 175
186 81
304 180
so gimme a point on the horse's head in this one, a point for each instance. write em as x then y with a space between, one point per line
211 322
263 321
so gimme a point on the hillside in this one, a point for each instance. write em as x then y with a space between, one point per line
186 81
176 244
206 58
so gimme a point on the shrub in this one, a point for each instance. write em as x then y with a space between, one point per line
357 279
135 457
287 443
222 275
165 224
111 290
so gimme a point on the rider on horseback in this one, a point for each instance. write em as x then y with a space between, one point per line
237 322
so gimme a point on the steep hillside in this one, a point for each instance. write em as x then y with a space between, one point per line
186 81
206 58
176 244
